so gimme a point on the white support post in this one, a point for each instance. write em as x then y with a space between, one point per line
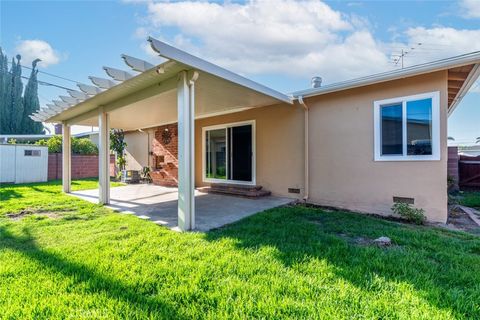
66 159
186 185
104 158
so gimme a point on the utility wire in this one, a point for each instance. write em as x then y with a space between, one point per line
49 74
44 83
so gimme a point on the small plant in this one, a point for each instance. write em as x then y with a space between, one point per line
118 145
451 182
409 213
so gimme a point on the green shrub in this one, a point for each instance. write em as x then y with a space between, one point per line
79 146
83 146
409 213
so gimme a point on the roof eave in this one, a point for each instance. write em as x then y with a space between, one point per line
467 84
470 58
172 53
119 87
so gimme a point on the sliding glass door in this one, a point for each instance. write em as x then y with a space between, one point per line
228 153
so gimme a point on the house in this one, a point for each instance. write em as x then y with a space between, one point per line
472 150
360 144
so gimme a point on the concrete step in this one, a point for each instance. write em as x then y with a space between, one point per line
237 190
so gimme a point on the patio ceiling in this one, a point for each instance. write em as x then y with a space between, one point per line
150 98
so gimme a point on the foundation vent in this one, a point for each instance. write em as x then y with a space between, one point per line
293 190
403 200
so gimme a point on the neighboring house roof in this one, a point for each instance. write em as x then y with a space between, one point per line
6 137
469 75
85 134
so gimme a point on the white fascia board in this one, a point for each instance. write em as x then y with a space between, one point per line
77 94
462 60
61 104
102 82
69 100
136 64
88 89
172 53
35 118
117 74
48 111
467 84
54 107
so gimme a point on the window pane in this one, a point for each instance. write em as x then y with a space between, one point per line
419 127
216 154
392 129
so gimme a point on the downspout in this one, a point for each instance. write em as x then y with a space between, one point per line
306 178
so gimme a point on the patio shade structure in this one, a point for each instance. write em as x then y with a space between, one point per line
181 89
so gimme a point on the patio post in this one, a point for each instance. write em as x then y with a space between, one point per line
186 187
104 158
66 158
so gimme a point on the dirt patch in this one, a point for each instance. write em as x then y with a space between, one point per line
459 220
19 215
24 213
364 242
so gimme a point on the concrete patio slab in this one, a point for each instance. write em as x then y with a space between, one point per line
159 204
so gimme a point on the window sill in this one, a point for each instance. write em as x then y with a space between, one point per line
406 158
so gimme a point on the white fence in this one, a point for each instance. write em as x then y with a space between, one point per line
23 163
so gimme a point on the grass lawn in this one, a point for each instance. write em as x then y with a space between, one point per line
471 199
74 260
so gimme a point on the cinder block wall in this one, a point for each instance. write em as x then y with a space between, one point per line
83 166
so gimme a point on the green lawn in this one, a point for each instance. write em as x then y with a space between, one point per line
470 199
293 262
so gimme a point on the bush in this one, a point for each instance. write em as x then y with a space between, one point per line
83 146
54 144
409 213
79 146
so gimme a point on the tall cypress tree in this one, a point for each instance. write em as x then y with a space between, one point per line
4 79
31 103
17 90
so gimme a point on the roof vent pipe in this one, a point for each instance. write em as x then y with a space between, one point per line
316 82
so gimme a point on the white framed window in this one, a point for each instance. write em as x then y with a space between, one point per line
228 153
407 128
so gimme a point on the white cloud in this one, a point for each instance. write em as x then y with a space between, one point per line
299 38
33 49
296 38
441 42
470 8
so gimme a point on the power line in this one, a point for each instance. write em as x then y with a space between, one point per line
49 74
45 83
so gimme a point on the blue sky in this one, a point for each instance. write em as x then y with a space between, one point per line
279 43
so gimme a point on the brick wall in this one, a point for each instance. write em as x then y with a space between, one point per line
83 166
452 170
165 156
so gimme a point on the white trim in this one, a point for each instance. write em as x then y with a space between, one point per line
172 53
254 151
457 61
467 84
435 156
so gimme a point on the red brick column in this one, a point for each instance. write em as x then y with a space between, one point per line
165 156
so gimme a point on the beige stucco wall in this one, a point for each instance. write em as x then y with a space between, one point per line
279 146
137 149
342 170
